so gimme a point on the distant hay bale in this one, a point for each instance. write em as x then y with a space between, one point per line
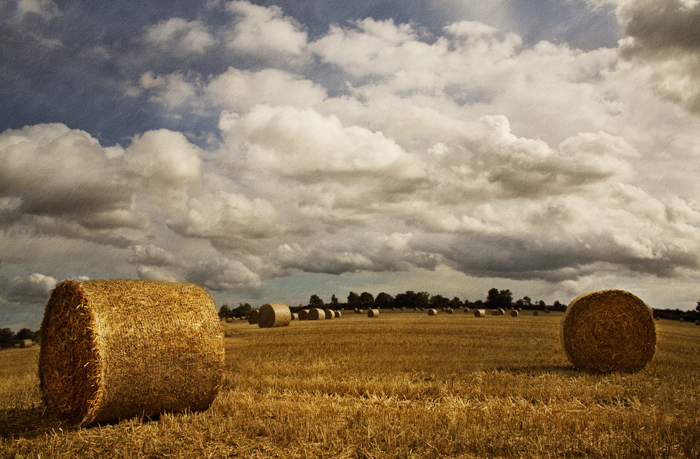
432 312
501 312
535 313
25 343
329 314
479 312
16 345
295 316
338 314
229 320
373 312
697 322
253 317
466 310
316 314
608 330
137 348
450 311
303 314
274 315
682 319
357 310
495 312
514 313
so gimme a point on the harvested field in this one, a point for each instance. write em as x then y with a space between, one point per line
496 388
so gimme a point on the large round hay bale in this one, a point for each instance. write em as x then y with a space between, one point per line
274 315
608 330
432 312
338 314
479 312
514 313
25 343
316 314
137 348
253 317
303 314
372 312
329 314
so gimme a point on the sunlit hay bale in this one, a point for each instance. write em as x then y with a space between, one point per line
25 343
373 312
303 314
253 317
229 320
274 315
450 311
501 311
357 311
432 312
295 316
514 313
479 312
316 314
16 345
494 312
608 330
338 314
329 314
115 349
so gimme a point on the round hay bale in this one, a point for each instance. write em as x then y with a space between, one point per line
514 313
137 348
295 316
608 330
479 312
253 317
535 313
501 312
274 315
682 319
432 312
25 343
466 310
229 320
303 314
450 311
697 322
316 314
329 314
373 312
16 345
338 314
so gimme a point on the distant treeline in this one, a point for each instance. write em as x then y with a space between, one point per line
8 338
410 299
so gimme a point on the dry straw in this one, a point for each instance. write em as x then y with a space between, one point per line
115 349
479 312
372 312
274 315
253 317
608 330
432 312
316 314
303 314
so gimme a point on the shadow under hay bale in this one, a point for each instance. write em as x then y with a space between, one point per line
608 330
274 315
115 349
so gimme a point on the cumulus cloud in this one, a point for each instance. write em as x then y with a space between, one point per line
664 35
46 9
34 286
164 157
151 255
265 32
157 274
177 35
228 220
224 274
66 175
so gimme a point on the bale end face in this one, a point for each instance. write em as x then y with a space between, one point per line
274 315
608 330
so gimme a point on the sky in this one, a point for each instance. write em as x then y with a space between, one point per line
271 150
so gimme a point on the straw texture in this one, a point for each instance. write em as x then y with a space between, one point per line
115 349
608 330
274 315
373 312
316 314
329 314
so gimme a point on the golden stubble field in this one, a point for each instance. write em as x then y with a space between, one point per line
403 385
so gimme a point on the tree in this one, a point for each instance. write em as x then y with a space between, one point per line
26 333
366 299
6 335
697 307
527 302
315 302
411 299
353 299
242 310
334 302
384 300
225 312
499 299
439 301
456 303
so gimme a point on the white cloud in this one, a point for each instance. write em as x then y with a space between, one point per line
164 158
265 32
46 9
177 35
158 274
33 286
224 274
152 255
